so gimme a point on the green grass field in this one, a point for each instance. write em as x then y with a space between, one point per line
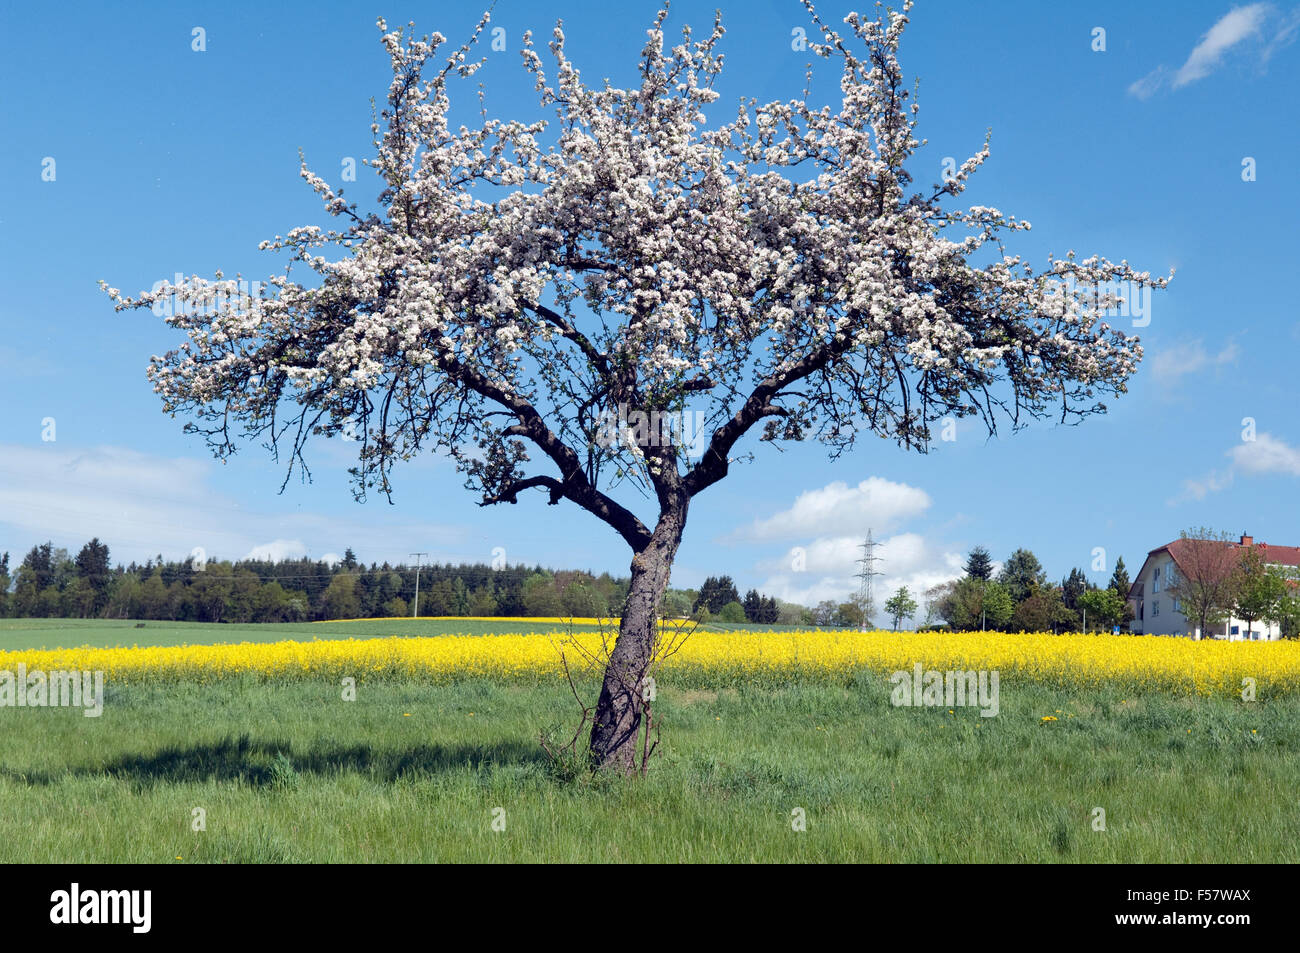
18 634
409 772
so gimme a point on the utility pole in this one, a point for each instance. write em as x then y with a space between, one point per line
415 613
867 575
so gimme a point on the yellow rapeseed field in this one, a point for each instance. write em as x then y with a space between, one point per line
717 659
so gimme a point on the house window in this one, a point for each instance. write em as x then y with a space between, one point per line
1155 607
1178 605
1155 579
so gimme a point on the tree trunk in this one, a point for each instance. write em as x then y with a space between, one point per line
617 723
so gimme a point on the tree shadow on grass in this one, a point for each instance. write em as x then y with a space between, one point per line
271 763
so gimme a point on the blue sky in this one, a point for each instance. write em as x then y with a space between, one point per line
167 159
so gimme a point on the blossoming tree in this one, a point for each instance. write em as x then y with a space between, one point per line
518 282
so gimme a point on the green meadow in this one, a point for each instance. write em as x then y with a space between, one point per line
410 772
19 634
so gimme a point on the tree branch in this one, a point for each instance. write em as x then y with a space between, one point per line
510 492
573 483
714 463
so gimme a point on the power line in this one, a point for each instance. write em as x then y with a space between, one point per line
415 613
867 574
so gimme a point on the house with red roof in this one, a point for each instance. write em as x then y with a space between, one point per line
1153 594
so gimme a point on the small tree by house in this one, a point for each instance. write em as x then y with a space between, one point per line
1260 589
1287 614
1207 579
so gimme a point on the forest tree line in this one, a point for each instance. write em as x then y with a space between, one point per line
50 582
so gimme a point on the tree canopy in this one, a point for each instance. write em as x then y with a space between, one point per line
521 281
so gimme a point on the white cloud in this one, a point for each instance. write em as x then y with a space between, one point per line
277 550
837 508
1286 34
1212 482
1236 25
836 518
1265 454
1150 84
142 505
906 559
1239 25
1181 358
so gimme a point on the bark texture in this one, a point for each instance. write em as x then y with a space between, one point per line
619 709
